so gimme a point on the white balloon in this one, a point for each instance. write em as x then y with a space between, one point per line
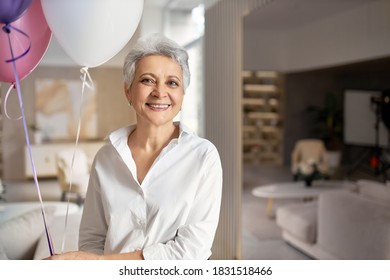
92 31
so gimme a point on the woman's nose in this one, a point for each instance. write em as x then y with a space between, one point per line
159 91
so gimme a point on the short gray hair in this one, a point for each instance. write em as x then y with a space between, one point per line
156 45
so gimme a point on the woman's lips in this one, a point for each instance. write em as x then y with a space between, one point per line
158 106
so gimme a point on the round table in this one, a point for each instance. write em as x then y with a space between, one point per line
299 190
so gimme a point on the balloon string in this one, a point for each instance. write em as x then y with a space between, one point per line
5 104
7 29
90 85
49 240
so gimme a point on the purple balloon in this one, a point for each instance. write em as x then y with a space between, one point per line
11 10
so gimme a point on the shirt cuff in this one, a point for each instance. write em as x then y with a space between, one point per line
153 252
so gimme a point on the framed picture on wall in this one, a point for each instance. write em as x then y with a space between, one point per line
58 104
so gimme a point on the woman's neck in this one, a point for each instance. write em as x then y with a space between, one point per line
151 138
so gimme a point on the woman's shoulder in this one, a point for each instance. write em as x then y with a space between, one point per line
200 144
189 136
105 152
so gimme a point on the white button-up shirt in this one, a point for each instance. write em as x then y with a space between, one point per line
173 214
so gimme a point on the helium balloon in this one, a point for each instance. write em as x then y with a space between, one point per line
11 10
92 31
33 24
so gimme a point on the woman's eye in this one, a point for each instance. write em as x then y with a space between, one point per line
173 84
147 81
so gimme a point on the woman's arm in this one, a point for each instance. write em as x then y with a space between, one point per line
80 255
93 225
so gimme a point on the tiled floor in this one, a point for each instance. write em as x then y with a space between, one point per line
261 237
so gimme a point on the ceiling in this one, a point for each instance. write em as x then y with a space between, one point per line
372 66
179 4
276 15
282 14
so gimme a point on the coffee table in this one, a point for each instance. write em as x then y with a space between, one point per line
299 190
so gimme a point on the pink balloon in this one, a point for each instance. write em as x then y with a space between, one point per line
33 23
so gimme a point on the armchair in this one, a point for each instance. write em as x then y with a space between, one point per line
309 151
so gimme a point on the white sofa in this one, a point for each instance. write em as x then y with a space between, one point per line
22 231
341 225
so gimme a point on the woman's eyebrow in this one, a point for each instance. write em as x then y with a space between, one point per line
154 76
174 76
148 74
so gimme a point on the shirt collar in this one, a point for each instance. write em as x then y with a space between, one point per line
118 136
184 131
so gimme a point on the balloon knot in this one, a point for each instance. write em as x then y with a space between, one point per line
84 70
7 28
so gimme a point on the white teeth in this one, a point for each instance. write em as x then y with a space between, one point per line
159 106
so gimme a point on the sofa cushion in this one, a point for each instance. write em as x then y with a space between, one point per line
374 190
11 210
299 220
60 235
3 255
19 235
352 226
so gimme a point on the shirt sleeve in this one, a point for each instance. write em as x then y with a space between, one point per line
194 239
93 226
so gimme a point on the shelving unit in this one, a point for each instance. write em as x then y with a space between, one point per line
262 117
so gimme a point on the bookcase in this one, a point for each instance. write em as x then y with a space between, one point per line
262 127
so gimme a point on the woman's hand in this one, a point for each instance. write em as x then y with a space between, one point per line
80 255
76 255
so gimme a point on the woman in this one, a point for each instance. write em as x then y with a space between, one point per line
155 189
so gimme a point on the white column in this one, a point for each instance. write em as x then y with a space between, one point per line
223 65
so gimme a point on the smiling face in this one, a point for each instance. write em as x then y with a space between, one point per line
157 90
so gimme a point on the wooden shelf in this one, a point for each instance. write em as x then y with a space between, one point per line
266 74
253 101
246 74
262 117
254 88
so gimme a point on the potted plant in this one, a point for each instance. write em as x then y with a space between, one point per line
328 126
308 171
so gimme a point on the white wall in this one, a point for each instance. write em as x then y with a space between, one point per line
263 49
152 20
351 36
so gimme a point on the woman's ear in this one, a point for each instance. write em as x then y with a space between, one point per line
126 89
